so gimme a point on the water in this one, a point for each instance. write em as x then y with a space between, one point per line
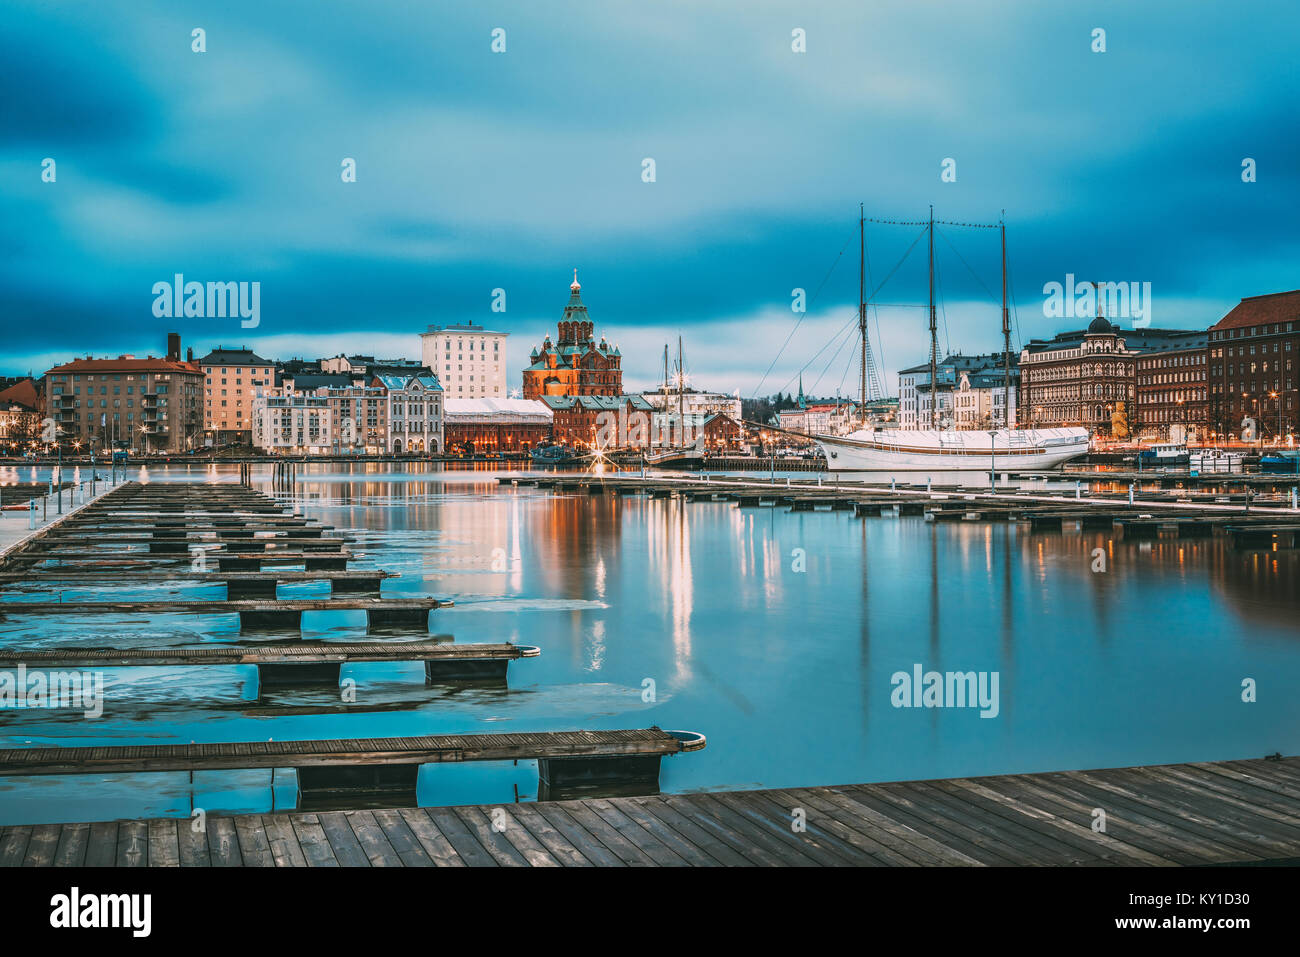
775 634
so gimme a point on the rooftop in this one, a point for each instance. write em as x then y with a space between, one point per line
1261 310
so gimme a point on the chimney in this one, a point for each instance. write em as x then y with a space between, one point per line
174 346
189 354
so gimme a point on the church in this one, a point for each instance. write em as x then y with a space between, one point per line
575 363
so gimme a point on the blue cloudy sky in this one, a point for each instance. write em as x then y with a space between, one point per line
478 170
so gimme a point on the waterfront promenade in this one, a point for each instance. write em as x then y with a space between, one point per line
1233 812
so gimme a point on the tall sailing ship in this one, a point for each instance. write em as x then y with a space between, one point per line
681 456
946 450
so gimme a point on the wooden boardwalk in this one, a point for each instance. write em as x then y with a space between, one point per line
1189 814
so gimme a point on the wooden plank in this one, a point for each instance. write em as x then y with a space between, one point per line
500 844
372 840
643 838
461 838
43 845
164 846
1094 845
760 834
895 841
402 839
192 843
711 820
285 850
312 840
347 849
680 846
132 844
73 840
433 841
588 845
223 843
546 834
765 810
691 831
13 845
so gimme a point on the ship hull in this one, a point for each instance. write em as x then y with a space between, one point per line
954 452
689 459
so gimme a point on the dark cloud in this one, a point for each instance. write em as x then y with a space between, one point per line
479 171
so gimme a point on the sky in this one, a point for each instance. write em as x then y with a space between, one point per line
479 170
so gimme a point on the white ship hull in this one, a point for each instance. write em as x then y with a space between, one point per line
932 451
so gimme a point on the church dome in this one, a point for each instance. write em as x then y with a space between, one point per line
1100 324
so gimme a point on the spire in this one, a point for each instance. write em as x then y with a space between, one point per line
575 285
802 404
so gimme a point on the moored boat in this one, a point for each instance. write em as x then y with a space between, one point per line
952 451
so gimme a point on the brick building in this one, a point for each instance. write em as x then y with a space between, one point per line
575 363
1088 378
149 404
1252 366
495 425
231 378
1172 388
604 421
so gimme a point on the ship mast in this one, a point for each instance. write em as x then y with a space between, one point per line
1006 331
681 394
934 338
862 305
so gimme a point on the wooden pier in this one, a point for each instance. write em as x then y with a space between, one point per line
1247 521
290 663
1232 812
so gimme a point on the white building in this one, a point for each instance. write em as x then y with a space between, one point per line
468 360
978 401
415 413
985 371
693 402
293 424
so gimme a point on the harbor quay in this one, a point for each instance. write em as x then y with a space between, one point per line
382 656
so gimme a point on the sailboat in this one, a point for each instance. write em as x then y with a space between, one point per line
947 450
681 456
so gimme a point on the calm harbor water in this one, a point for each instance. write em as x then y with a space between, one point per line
775 634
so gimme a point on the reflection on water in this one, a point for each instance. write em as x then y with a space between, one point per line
774 633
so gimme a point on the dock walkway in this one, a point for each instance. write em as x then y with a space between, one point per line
1232 812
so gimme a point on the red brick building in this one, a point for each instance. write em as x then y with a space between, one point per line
601 421
1172 391
1252 361
148 404
575 363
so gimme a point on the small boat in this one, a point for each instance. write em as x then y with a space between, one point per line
558 455
691 458
1156 456
1214 460
1280 461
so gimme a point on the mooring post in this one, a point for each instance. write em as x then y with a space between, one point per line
31 514
928 479
1293 497
1130 493
1078 489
